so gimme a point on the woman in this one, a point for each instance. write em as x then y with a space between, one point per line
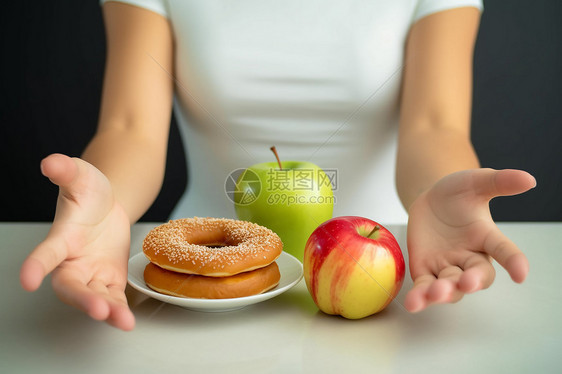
368 88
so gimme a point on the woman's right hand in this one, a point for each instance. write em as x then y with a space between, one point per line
87 247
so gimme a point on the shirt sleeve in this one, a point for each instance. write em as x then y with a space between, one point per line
427 7
157 6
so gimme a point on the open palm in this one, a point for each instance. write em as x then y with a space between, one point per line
88 244
452 237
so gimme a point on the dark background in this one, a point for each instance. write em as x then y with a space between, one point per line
53 56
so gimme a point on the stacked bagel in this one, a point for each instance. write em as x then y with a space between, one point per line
211 258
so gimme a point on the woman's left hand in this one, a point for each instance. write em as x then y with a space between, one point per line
452 238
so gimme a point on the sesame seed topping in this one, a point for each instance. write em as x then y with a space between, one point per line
203 245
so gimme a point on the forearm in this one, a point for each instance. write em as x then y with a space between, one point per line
134 165
434 133
427 155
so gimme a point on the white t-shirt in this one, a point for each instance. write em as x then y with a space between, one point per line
318 79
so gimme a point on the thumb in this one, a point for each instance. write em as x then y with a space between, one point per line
60 169
490 183
74 176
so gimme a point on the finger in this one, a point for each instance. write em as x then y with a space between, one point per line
120 314
478 274
44 259
72 175
121 317
416 299
98 286
60 169
507 254
490 183
71 288
444 289
99 301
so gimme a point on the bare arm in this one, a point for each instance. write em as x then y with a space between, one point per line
87 248
129 147
434 135
451 235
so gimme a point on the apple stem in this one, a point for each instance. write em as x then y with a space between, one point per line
277 157
373 231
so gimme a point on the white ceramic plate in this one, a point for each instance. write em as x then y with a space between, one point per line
291 273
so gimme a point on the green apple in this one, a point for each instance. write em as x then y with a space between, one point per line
292 198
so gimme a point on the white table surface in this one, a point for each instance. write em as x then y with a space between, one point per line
508 328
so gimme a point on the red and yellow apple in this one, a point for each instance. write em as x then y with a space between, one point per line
353 267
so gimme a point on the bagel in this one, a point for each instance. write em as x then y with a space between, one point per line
213 247
198 286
